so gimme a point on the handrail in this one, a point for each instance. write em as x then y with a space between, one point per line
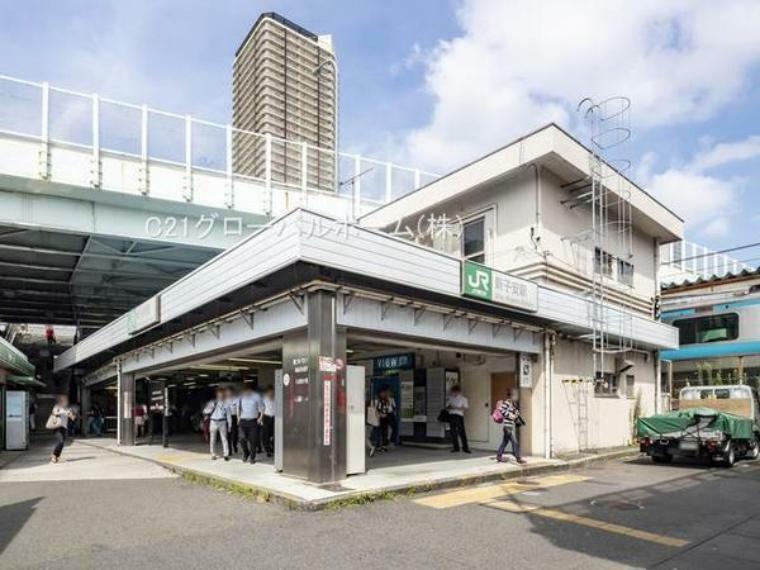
233 152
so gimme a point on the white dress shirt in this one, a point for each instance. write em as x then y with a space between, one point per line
457 404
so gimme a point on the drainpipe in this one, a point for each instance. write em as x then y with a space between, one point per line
535 232
549 342
670 382
657 382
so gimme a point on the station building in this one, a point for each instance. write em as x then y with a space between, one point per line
330 310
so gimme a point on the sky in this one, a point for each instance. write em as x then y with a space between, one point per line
437 83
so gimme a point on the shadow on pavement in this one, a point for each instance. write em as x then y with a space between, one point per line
12 519
703 508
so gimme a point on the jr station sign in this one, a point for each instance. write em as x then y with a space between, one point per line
482 282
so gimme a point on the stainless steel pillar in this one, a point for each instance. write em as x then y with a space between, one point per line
84 409
314 395
165 416
125 427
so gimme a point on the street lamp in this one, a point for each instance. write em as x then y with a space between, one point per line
316 71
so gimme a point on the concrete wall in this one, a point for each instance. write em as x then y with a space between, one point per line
562 257
610 418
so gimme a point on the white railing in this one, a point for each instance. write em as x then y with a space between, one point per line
102 126
685 261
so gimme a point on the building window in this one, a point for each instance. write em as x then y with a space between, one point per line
714 328
607 385
474 240
602 262
630 391
625 272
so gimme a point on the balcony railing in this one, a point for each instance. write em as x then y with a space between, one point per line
145 136
686 261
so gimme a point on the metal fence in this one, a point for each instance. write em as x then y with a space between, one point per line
55 115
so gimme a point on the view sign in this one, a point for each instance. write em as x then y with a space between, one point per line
486 284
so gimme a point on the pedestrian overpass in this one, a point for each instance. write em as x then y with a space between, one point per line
104 203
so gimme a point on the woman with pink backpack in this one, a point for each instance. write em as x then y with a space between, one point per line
508 415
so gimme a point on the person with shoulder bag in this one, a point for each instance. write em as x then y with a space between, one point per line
373 421
220 417
509 415
58 423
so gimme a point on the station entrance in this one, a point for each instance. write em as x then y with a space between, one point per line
418 375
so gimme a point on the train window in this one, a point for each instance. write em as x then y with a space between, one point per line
722 393
708 329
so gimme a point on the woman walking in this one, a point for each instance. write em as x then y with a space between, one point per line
58 422
511 418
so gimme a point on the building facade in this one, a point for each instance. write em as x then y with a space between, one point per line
284 85
499 305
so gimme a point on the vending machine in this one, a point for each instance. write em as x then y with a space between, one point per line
16 420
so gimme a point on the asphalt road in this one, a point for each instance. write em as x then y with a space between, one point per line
125 514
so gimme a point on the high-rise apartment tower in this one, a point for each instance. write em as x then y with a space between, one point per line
283 84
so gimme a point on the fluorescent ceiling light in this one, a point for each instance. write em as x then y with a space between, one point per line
256 360
219 367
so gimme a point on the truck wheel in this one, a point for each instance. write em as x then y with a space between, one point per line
753 452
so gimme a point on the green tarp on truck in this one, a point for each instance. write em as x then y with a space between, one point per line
671 423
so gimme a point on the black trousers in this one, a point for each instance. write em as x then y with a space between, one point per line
60 441
267 433
249 438
456 426
233 435
385 427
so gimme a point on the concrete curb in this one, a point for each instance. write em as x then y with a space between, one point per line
266 495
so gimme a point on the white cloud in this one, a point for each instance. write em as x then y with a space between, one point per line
518 65
725 153
700 200
706 202
718 227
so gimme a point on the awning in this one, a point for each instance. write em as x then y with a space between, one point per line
25 381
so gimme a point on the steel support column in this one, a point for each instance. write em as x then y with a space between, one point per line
85 403
125 430
314 407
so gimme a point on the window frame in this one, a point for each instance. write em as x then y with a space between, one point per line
613 388
625 277
482 254
603 262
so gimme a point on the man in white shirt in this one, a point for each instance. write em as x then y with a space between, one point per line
231 400
456 405
267 421
250 408
219 418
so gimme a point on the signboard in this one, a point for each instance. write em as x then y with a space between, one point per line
327 413
406 389
486 284
144 316
393 362
526 371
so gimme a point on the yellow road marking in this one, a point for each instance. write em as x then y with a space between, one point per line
513 507
170 458
489 492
